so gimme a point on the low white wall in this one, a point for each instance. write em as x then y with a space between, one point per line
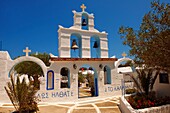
126 108
161 88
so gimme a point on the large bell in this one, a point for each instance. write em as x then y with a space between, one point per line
74 45
95 45
84 22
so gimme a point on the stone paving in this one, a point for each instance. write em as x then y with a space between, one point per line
109 105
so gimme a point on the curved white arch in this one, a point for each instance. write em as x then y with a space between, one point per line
29 58
117 63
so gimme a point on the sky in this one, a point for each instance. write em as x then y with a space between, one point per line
34 23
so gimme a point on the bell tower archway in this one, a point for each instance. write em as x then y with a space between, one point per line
95 47
76 45
84 19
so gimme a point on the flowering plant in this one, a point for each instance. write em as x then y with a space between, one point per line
139 102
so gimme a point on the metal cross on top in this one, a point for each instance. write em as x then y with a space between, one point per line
26 51
124 54
83 7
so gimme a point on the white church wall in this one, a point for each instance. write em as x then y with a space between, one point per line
91 23
64 42
6 66
104 43
4 59
104 47
85 46
60 94
77 20
115 87
71 94
162 89
3 95
65 52
86 52
104 53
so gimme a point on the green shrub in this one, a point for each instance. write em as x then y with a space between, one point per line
22 95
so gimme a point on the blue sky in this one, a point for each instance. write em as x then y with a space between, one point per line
34 23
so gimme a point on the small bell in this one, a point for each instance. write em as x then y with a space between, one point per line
95 45
74 45
84 22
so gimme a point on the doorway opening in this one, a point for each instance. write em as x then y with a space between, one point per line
29 70
87 82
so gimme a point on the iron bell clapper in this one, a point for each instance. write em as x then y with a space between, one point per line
74 45
84 22
95 45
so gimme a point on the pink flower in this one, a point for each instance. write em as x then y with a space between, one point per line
138 106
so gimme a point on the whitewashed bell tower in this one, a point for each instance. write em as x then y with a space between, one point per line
90 43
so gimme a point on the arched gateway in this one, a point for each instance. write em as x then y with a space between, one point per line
29 58
7 65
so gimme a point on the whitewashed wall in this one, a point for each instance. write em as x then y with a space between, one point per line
64 42
63 94
162 89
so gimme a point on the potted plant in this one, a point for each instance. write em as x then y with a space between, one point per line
22 95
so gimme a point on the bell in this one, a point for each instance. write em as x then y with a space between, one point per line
74 45
95 45
84 22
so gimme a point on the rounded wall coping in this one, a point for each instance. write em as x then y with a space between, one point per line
30 58
117 63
